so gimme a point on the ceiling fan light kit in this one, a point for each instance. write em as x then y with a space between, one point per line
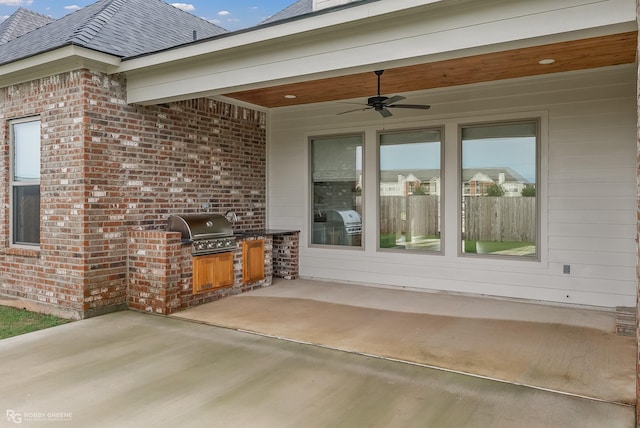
383 104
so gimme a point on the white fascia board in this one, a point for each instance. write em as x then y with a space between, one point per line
60 60
433 34
273 32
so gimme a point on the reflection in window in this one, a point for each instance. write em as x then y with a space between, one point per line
336 168
499 167
25 182
410 190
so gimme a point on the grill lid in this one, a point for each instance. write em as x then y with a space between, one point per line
348 217
194 227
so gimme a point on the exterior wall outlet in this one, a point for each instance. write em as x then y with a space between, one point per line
566 269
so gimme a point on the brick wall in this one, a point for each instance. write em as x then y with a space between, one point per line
109 168
285 255
155 271
52 277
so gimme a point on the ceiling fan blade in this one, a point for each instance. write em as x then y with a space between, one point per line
384 112
394 99
382 104
416 106
351 111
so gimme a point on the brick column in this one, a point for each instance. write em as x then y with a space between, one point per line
638 240
285 255
154 271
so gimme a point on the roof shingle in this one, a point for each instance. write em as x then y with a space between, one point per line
123 28
301 7
21 22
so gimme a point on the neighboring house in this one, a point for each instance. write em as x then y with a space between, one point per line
21 22
406 182
476 182
136 120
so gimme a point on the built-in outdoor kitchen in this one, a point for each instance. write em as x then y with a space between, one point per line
200 258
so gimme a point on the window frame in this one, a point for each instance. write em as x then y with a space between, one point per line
538 120
441 209
23 183
310 189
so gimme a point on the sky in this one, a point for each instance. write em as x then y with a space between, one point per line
229 14
519 154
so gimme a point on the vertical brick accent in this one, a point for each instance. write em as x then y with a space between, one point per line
285 255
154 271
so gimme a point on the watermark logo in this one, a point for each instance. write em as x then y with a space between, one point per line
37 416
14 417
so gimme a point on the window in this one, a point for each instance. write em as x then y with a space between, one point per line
410 185
25 182
499 181
336 193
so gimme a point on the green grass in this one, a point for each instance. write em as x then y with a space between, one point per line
14 321
489 247
387 240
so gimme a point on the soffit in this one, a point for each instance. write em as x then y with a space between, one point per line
445 44
587 53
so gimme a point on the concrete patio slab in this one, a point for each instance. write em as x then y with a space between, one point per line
130 369
569 350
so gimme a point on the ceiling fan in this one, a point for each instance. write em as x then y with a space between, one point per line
382 104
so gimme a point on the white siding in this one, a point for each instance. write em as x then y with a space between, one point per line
587 189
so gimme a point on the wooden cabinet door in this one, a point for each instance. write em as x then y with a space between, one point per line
212 271
252 261
203 268
223 272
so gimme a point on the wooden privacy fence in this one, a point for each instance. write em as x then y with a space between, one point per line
488 218
416 215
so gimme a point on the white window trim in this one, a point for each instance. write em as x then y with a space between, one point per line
440 127
310 191
540 183
13 183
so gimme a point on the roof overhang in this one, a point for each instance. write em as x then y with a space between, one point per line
66 58
258 66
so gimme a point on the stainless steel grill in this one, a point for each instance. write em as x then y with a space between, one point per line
338 227
207 233
348 220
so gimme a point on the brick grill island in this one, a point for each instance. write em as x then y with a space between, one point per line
160 269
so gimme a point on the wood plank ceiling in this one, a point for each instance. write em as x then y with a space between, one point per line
573 55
